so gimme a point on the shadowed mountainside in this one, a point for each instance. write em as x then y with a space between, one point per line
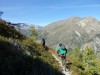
20 55
15 62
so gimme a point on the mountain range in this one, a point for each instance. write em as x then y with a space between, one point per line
73 32
25 28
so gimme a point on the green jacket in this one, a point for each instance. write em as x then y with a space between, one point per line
62 51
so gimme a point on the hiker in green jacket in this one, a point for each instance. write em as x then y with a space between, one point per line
62 52
59 46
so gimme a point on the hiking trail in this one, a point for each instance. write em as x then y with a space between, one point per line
59 61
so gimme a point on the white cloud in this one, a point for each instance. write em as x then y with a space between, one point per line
72 6
94 5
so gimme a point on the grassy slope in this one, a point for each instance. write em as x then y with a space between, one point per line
9 31
29 59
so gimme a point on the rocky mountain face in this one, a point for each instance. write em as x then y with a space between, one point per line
73 32
25 28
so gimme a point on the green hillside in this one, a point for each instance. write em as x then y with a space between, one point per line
9 31
23 56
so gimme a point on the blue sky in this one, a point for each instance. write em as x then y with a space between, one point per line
43 12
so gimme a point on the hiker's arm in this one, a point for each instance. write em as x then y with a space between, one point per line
58 50
66 51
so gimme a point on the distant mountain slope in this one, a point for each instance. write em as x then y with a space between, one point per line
7 30
62 24
73 31
25 28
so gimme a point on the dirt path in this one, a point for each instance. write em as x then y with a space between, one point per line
54 54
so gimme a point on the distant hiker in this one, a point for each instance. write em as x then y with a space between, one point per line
43 42
62 52
17 45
